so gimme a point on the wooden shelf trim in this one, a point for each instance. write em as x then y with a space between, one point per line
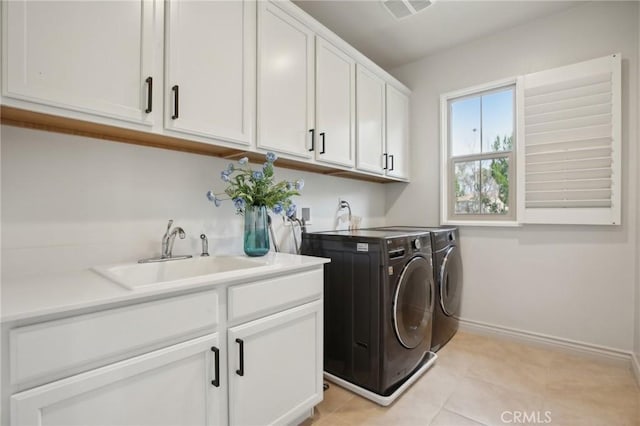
35 120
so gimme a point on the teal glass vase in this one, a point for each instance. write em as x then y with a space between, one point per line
256 232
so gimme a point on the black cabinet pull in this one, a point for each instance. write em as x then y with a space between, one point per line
216 352
313 139
386 161
149 82
175 101
322 136
391 158
240 371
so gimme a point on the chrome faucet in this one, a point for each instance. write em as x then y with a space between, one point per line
169 238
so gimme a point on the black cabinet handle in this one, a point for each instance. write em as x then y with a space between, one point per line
175 101
322 136
386 161
391 157
240 371
313 139
149 82
216 352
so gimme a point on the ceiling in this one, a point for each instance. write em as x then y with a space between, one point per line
370 28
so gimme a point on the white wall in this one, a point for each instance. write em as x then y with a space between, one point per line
72 202
637 271
570 282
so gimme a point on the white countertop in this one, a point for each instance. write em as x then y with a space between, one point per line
35 296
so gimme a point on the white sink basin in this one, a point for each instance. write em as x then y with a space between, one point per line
139 275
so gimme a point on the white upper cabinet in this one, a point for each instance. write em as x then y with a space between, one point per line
95 57
335 105
210 69
285 82
370 91
244 74
397 128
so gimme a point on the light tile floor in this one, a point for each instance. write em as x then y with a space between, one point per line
479 380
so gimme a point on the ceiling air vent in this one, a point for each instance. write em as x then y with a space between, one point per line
402 8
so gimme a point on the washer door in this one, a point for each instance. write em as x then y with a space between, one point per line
450 281
413 302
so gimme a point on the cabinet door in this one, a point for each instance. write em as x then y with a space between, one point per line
397 126
370 122
285 82
171 386
275 367
335 105
210 57
94 56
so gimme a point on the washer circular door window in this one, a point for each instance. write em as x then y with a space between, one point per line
450 276
413 302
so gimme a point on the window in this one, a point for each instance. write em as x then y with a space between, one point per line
539 148
481 147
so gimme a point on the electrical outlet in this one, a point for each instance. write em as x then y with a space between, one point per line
306 214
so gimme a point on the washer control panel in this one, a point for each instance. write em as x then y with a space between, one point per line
396 247
408 245
421 243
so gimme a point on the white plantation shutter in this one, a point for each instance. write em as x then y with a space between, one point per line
569 148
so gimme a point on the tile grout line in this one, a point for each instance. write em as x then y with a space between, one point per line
535 398
462 415
459 379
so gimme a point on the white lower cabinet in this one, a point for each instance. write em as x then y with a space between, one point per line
170 386
275 366
222 359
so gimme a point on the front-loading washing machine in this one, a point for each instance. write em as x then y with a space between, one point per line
447 268
378 305
448 276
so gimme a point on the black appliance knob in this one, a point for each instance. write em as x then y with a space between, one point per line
417 244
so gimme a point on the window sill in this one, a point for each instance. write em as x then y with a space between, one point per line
487 223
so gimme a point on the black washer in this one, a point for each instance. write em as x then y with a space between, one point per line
379 298
447 268
413 303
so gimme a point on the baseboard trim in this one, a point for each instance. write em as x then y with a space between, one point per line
635 364
538 339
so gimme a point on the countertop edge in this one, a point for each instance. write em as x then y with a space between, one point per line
126 297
